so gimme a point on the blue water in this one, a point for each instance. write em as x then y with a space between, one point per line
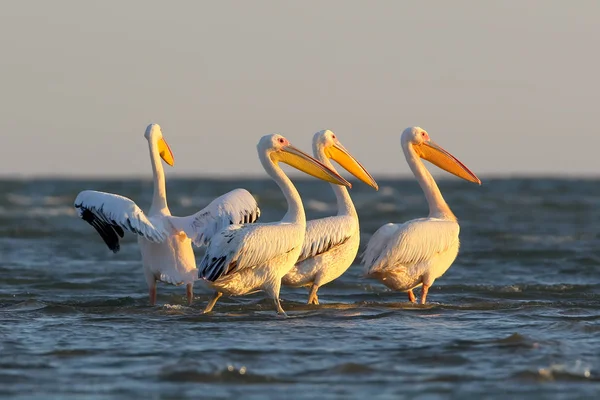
517 315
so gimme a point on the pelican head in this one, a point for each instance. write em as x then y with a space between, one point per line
279 149
435 154
154 135
326 142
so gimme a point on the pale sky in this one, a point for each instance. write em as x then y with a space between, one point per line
509 87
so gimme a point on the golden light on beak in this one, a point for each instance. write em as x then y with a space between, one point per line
165 152
301 161
339 154
438 156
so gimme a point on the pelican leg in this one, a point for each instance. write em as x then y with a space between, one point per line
312 296
279 308
152 293
272 290
212 302
411 296
424 293
189 289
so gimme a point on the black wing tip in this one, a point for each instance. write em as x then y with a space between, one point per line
108 232
214 270
119 230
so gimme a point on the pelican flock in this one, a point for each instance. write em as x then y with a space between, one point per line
244 257
165 241
331 243
417 252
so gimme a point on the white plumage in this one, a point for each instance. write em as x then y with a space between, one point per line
243 247
324 234
405 256
113 211
331 243
244 259
235 207
118 213
165 241
378 243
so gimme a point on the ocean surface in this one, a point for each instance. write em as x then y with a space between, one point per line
517 315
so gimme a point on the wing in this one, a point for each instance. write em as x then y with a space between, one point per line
324 234
409 243
378 243
235 207
111 215
245 246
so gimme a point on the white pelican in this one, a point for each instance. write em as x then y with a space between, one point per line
331 243
165 242
417 252
246 258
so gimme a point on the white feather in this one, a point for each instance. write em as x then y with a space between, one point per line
410 244
235 207
329 248
240 247
324 234
113 209
378 243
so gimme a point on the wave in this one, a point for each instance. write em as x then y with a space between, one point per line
29 200
578 371
37 212
25 306
230 374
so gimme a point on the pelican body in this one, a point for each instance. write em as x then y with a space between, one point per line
417 252
331 243
165 241
243 259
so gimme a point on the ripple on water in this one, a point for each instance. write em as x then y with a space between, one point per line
577 371
25 306
230 374
71 353
512 316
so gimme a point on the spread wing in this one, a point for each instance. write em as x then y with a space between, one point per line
325 234
235 207
245 246
111 215
409 243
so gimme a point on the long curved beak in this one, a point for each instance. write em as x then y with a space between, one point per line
165 152
301 161
436 155
339 154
